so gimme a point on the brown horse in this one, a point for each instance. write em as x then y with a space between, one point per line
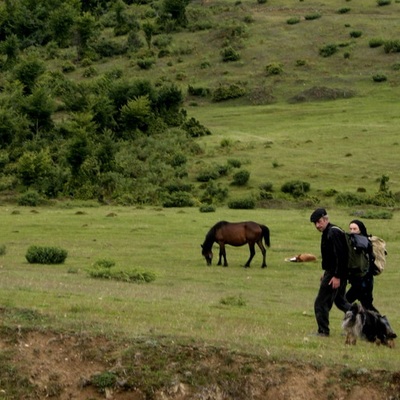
236 234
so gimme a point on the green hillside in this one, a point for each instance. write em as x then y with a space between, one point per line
180 103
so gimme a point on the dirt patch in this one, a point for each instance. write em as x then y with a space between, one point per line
39 365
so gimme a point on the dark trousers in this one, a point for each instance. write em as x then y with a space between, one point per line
361 289
325 299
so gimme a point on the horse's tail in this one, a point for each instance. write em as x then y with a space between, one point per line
265 232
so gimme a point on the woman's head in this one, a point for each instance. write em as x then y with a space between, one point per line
356 226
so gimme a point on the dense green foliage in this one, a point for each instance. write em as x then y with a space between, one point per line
46 255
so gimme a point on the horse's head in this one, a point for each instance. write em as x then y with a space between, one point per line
208 254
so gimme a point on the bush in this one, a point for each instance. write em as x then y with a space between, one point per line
242 204
293 20
207 208
45 255
241 178
379 78
344 10
349 199
355 34
328 50
145 63
2 249
230 54
124 275
194 128
375 214
234 163
391 46
312 16
178 199
375 42
31 198
227 92
274 69
383 2
296 188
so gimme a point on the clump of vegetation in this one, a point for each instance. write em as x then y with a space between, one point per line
344 10
374 214
105 269
207 208
328 50
355 34
241 178
230 54
379 78
228 92
375 42
2 249
236 301
296 188
274 69
383 2
293 20
391 46
103 381
310 17
242 204
45 255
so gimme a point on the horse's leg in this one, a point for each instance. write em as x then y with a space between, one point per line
224 255
220 254
264 253
252 252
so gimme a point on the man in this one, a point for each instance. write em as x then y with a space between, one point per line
334 263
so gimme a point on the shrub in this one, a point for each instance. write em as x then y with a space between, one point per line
241 178
124 275
234 163
30 198
145 63
381 199
274 69
293 20
375 214
349 199
242 204
233 301
391 46
178 199
45 255
198 91
312 16
379 78
295 188
207 208
103 381
355 34
207 175
375 42
383 2
328 50
227 92
230 54
194 128
212 192
344 10
2 249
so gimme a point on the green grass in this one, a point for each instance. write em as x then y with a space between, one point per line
187 300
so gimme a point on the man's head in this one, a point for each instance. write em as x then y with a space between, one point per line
320 219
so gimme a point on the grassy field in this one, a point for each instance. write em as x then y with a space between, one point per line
262 311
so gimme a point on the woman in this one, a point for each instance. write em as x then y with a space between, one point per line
362 287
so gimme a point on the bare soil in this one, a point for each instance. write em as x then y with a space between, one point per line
42 364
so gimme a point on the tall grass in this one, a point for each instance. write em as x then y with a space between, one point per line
187 300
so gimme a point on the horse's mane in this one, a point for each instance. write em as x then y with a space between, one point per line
210 237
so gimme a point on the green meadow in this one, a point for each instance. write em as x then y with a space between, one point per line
261 311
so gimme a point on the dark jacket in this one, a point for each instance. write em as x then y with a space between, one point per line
334 251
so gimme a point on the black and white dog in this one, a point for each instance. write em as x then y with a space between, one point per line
369 325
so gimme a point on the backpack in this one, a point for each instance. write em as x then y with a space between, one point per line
379 249
358 263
